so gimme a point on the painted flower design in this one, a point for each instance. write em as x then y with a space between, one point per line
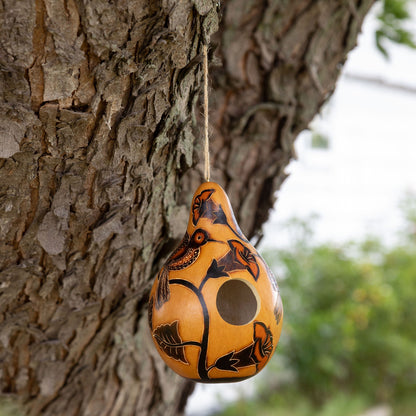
245 257
200 204
257 353
263 344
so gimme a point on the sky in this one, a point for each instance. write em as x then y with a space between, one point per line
356 185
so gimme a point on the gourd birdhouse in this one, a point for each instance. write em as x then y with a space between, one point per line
215 311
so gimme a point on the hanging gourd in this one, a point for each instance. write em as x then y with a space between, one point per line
215 312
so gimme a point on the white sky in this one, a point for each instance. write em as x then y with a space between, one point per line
356 185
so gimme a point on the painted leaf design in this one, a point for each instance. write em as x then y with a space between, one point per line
227 362
168 338
162 291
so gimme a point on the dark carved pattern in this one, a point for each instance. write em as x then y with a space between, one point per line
199 206
168 338
184 256
150 312
205 207
245 257
257 353
162 291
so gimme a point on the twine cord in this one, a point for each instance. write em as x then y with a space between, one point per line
207 172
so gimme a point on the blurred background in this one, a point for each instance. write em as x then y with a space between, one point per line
342 241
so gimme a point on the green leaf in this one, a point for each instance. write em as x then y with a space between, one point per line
392 19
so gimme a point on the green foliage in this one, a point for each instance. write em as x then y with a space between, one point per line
408 207
392 17
350 322
289 403
319 141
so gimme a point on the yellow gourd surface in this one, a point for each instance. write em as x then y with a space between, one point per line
215 311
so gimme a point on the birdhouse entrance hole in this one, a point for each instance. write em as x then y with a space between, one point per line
237 302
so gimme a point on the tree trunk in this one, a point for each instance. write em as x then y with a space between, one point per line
100 150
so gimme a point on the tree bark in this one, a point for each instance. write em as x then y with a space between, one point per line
100 146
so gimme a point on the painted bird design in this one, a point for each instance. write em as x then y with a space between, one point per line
185 255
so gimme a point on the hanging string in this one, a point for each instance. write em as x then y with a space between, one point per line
207 172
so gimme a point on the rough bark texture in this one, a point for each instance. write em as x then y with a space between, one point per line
98 131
